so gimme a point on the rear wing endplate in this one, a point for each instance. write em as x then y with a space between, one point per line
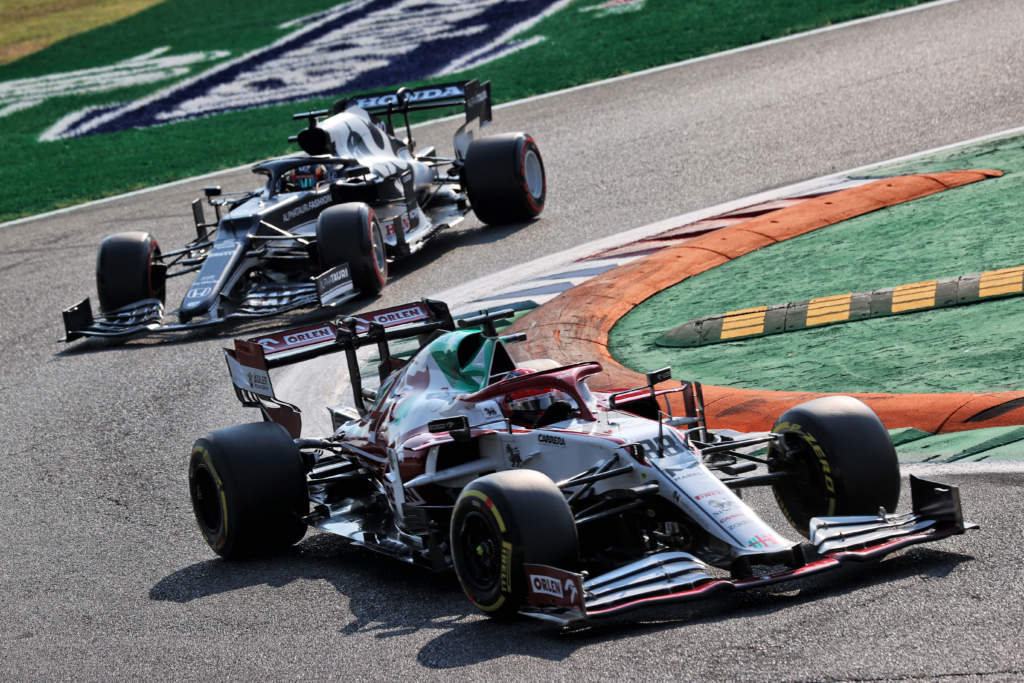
251 360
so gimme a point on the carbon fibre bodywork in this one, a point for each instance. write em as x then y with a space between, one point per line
262 255
654 498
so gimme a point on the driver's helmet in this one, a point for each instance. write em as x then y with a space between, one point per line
527 406
303 177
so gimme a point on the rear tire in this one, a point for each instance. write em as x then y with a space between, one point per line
502 521
350 233
248 489
128 270
505 179
844 459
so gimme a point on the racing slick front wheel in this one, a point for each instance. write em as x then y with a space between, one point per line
841 458
504 178
350 233
501 521
128 269
248 488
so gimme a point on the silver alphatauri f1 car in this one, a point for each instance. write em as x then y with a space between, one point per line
547 499
325 224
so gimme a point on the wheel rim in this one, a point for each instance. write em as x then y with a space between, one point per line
533 172
380 261
481 554
805 490
206 501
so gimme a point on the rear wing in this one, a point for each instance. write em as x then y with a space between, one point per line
474 96
251 360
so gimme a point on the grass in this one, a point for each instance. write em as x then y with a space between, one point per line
580 47
31 25
958 232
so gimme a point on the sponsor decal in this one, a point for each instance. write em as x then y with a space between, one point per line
506 567
448 424
514 458
719 506
307 336
685 472
293 339
396 317
552 439
546 585
199 292
306 208
671 445
389 317
762 541
708 494
424 95
354 46
248 368
555 587
477 99
334 283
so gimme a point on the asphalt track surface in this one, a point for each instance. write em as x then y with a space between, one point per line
104 576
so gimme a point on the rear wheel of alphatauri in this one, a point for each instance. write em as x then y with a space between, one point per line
248 488
504 178
350 233
842 459
128 269
502 521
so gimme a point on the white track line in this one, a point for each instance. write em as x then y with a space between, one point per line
556 93
549 264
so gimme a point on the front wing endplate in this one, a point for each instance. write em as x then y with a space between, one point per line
669 577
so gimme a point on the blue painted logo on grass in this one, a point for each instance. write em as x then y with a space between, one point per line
359 45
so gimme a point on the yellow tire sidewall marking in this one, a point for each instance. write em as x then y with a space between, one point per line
205 455
506 553
819 453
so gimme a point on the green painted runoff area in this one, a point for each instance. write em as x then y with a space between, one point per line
995 443
977 347
579 47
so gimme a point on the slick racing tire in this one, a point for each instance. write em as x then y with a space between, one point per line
350 233
501 521
504 178
842 458
248 488
128 269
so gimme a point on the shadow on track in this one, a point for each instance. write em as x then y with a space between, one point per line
389 599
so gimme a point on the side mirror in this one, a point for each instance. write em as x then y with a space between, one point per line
458 427
659 376
212 190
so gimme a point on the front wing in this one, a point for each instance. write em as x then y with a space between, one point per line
565 597
330 289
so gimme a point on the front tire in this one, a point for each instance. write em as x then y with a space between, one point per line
502 521
350 233
128 269
248 489
505 179
842 458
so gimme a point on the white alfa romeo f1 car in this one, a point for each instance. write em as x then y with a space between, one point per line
324 225
546 498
